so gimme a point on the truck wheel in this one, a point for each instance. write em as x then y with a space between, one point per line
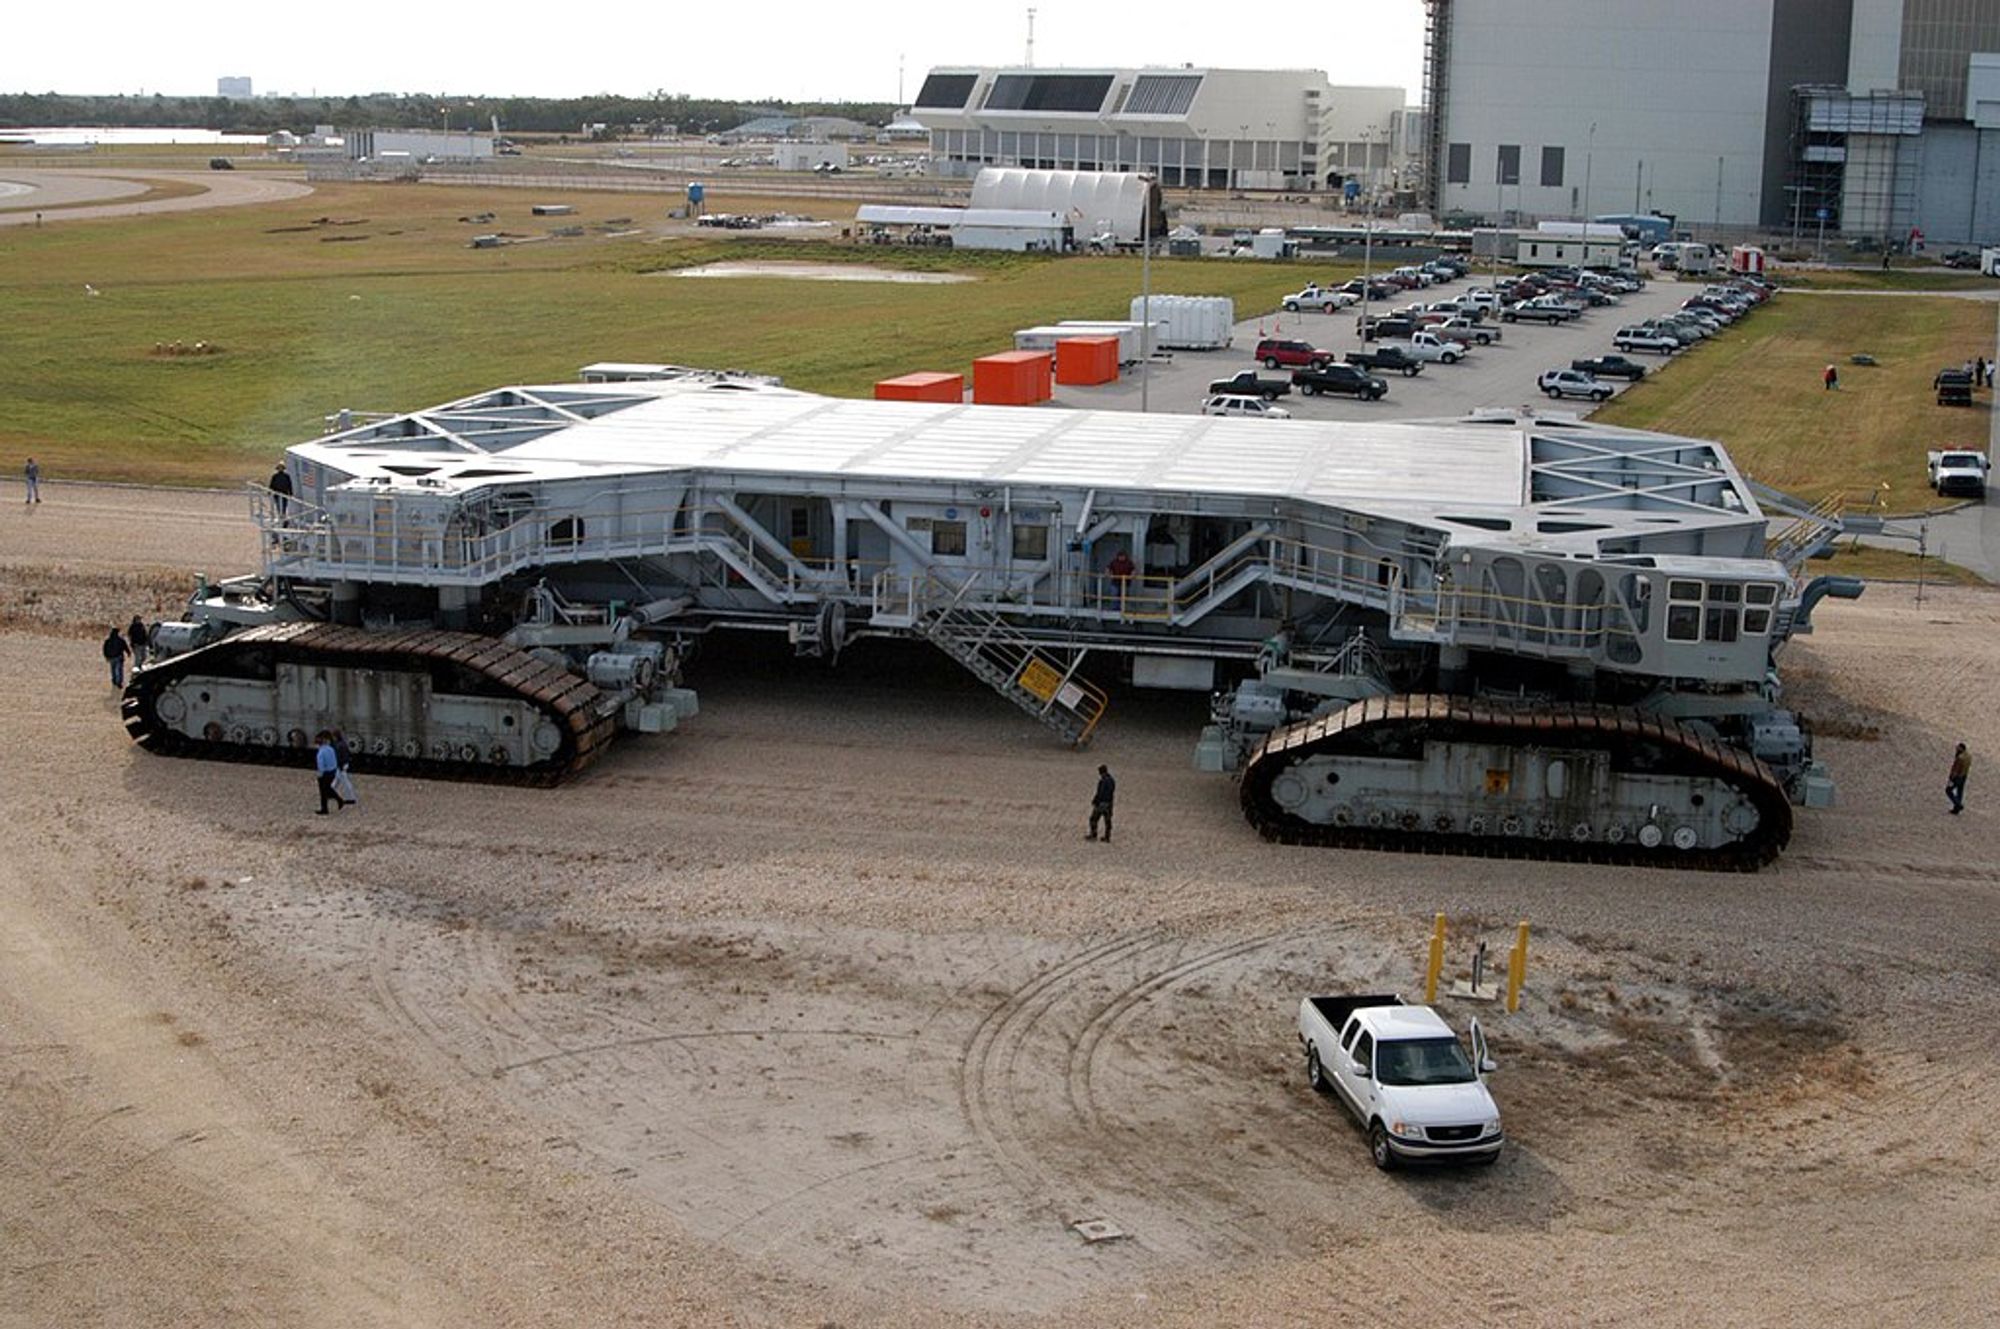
1309 389
1291 306
1449 359
1378 1147
1327 308
1600 396
1553 393
1411 372
1315 1075
1270 362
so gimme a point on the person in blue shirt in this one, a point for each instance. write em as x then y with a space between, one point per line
327 761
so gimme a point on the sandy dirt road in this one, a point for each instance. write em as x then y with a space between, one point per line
66 195
821 1011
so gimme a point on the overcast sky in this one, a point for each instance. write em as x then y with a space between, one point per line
749 51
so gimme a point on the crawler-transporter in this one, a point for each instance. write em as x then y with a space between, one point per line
1515 633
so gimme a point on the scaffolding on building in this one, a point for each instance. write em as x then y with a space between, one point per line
1855 162
1437 77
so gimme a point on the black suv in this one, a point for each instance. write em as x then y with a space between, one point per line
1339 378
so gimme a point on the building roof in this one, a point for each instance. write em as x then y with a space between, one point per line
887 214
1476 474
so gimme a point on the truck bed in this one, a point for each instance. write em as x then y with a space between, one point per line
1335 1010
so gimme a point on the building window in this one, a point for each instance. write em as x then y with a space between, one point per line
1552 167
948 538
1031 543
1509 164
1458 164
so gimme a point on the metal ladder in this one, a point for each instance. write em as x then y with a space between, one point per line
1017 669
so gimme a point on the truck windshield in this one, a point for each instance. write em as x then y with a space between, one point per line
1423 1061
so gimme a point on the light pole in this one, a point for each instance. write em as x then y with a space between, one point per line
1145 290
1589 151
1367 236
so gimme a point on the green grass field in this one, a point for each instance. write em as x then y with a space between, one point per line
1921 277
367 296
1758 389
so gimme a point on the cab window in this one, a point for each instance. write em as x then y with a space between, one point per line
1364 1053
1683 610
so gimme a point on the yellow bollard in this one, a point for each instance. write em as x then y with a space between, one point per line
1517 967
1437 961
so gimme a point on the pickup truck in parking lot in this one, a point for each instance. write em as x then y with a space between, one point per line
1465 330
1349 379
1326 299
1428 346
1529 311
1387 359
1403 1074
1249 383
1610 366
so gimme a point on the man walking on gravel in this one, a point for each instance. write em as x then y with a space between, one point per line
115 651
327 762
1954 785
1100 803
33 474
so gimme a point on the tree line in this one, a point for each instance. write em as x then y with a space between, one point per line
517 115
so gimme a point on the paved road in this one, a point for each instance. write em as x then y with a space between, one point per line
1502 375
50 194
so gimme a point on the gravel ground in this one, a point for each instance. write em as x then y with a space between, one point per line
821 1011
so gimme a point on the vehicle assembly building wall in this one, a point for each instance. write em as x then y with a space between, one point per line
1812 42
1676 95
1191 127
1958 201
1938 38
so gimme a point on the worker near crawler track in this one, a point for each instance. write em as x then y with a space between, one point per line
1954 785
1121 569
136 638
115 651
1100 804
327 762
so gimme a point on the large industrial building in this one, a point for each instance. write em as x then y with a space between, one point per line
1190 127
1871 117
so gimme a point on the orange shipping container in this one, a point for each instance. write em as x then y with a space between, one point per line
1012 378
1086 361
922 387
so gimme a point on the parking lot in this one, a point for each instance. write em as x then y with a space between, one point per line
1500 375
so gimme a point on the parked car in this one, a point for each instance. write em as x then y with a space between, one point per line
1348 379
1244 408
1389 359
1465 330
1389 328
1249 383
1573 383
1639 338
1960 258
1275 351
1954 387
1610 366
1527 311
221 164
1959 471
1326 299
1404 1075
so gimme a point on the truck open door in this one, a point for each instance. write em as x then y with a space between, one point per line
1480 1056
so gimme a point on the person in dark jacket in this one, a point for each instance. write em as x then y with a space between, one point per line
115 651
1954 785
281 490
1100 803
138 639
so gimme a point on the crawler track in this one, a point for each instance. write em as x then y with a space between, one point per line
1662 745
585 717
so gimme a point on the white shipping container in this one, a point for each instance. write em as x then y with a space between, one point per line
1190 322
1146 340
1130 344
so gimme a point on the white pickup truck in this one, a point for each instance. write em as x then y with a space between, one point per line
1326 299
1402 1073
1959 471
1428 346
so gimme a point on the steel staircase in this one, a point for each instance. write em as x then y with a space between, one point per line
1015 668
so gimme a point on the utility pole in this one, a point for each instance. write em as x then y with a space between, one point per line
1145 291
1031 36
1589 151
1718 196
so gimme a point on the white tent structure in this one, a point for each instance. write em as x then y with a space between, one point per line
1094 201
